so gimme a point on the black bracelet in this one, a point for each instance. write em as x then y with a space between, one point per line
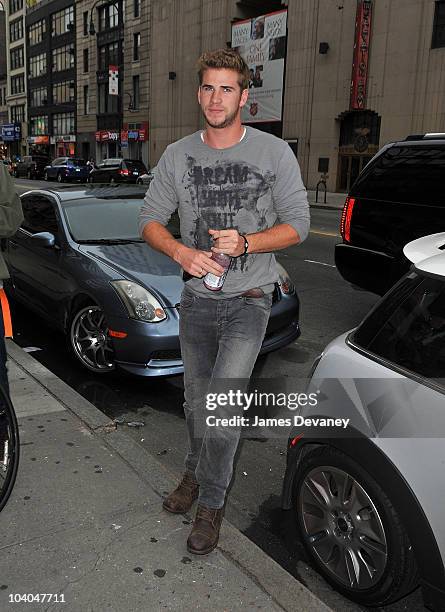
246 245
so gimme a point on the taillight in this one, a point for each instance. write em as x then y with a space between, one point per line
124 172
346 216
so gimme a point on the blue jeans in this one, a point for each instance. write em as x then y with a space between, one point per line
220 341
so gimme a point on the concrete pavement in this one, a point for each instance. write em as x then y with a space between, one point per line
85 520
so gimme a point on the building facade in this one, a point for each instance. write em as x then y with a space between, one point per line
17 130
51 37
358 74
3 82
112 117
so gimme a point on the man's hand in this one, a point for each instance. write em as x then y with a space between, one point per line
227 241
197 263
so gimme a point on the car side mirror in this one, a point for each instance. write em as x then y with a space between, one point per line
44 239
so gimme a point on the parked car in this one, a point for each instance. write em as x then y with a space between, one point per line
146 179
78 262
397 197
116 170
369 500
31 166
67 169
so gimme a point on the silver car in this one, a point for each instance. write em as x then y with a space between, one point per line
369 497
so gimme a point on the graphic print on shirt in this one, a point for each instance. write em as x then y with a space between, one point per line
226 195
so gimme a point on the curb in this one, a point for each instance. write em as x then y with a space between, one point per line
284 589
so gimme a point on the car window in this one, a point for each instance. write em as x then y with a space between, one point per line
135 165
76 162
39 215
57 161
409 174
408 327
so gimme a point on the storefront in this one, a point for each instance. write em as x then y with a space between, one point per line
11 134
107 145
63 146
39 144
134 142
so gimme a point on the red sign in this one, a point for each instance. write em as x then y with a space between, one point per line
105 136
359 79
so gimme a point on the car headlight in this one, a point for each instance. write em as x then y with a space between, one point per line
286 285
140 303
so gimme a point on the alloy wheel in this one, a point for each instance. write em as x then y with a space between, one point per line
342 527
90 340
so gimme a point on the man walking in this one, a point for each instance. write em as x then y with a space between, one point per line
11 216
239 192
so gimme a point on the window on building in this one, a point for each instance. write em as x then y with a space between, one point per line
38 125
63 123
109 54
106 103
108 17
136 92
18 113
136 45
85 23
86 100
37 65
86 62
439 25
36 32
17 84
63 58
63 92
16 30
136 7
17 58
62 21
15 5
38 96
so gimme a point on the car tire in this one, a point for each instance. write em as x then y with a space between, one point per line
373 565
9 447
45 176
59 177
89 329
139 182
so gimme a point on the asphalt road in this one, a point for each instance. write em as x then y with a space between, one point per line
329 306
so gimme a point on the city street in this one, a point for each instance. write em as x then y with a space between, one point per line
329 306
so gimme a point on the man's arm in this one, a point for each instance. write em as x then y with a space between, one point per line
273 239
11 214
291 205
193 261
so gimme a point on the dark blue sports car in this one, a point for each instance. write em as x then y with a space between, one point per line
78 262
67 169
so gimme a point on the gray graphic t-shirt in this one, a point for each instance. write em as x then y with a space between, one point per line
250 187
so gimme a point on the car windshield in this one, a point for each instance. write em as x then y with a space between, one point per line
103 219
76 162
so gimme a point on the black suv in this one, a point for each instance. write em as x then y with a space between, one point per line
399 196
31 166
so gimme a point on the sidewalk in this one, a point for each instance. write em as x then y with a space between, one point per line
334 201
85 520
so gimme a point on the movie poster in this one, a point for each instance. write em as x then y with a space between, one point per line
262 43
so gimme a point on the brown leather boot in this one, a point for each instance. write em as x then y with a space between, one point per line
181 499
205 532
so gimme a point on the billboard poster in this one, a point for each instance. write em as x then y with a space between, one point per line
262 43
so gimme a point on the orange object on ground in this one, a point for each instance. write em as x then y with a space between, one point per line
6 314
